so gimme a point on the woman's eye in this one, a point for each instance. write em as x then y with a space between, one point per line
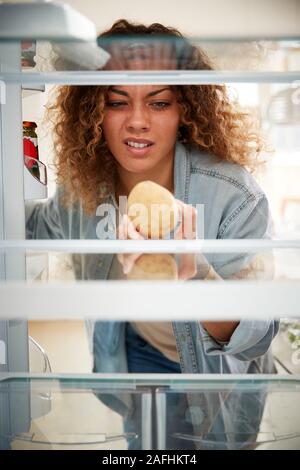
116 104
160 104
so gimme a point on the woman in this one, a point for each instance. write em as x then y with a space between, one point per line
193 141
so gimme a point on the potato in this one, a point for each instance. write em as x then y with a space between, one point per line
154 267
152 210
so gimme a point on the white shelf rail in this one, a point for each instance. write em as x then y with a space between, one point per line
134 300
149 246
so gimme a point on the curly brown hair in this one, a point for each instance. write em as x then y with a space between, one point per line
211 121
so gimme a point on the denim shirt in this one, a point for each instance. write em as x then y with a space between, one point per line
234 207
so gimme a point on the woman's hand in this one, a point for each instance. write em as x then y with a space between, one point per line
186 229
127 231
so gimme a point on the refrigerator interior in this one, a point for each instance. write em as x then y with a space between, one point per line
262 72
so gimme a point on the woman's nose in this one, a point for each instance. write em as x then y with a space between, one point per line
138 119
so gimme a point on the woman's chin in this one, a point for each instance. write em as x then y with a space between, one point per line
138 167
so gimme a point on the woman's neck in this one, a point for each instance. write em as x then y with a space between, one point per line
163 176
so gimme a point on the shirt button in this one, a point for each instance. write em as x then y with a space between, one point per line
111 227
100 263
183 337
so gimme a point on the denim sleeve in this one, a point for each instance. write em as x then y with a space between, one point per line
47 220
252 338
251 219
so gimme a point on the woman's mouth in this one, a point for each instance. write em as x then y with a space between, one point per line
138 147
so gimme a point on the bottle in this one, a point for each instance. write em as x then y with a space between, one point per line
30 148
28 52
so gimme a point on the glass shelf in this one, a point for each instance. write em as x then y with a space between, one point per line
139 61
190 412
231 417
188 77
35 185
79 416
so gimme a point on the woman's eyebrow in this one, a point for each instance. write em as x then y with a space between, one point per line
119 92
152 93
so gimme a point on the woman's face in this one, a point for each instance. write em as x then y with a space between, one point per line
140 125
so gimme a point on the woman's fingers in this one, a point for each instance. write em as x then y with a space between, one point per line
185 230
127 261
122 230
127 231
187 266
133 234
